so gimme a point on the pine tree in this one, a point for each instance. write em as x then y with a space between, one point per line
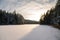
52 16
7 18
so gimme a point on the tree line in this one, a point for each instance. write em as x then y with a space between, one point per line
13 18
52 16
7 18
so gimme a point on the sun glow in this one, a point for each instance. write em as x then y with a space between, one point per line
35 14
32 11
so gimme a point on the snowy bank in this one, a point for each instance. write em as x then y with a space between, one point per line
29 32
43 32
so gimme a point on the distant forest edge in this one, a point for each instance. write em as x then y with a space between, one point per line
52 16
7 18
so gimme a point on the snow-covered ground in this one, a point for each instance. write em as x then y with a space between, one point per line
29 32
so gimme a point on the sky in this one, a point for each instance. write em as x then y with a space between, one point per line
30 9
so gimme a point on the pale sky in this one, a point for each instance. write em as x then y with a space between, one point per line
30 9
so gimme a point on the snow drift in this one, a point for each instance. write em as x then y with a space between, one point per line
43 32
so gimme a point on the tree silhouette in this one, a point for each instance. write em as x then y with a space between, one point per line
7 18
52 16
47 17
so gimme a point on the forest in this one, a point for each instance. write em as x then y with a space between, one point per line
52 16
7 18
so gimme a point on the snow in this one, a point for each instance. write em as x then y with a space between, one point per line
43 33
29 32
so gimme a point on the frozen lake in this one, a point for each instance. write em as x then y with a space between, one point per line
29 32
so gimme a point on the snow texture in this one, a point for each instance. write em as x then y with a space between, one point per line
29 32
43 32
